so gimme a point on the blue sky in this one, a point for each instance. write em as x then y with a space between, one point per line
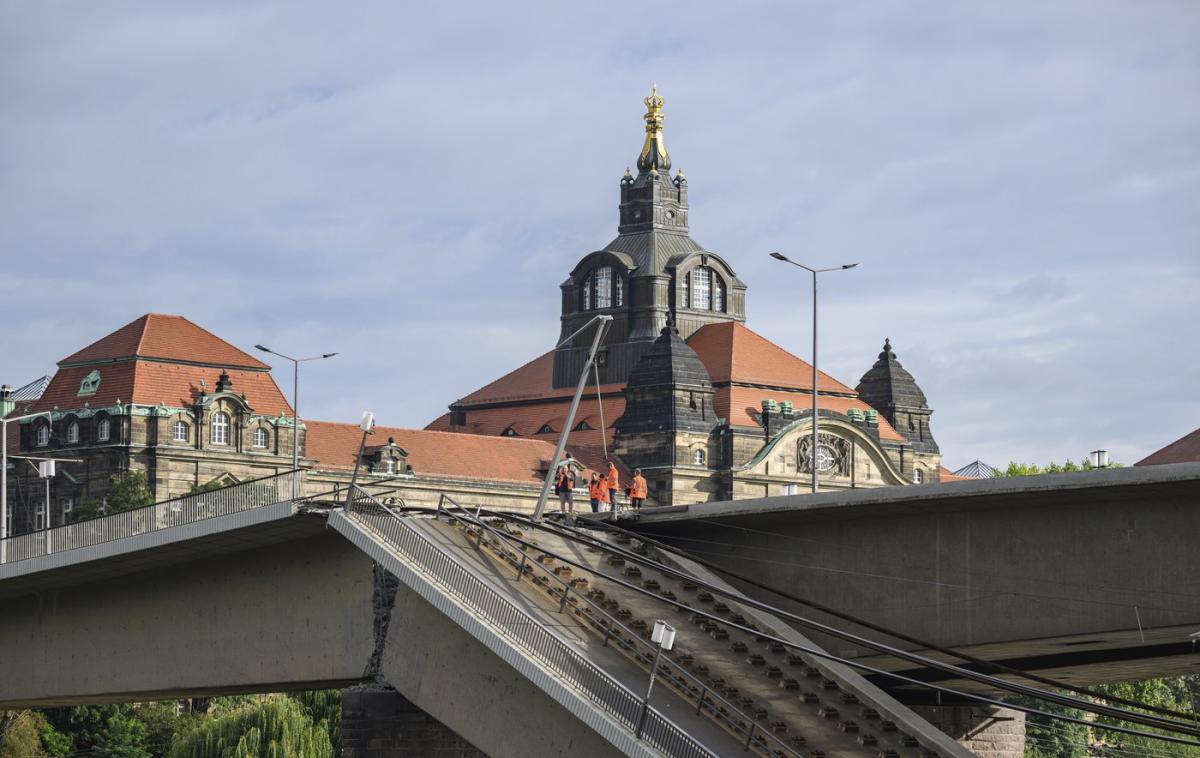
408 185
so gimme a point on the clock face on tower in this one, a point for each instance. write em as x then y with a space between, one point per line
826 459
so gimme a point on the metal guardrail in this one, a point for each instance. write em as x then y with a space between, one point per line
182 510
522 629
721 708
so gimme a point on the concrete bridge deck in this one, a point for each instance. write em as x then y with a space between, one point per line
1091 576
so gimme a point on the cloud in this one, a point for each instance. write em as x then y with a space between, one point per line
410 185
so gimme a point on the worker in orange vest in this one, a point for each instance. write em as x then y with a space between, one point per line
638 492
598 492
614 484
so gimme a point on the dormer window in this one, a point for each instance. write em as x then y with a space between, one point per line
583 426
602 289
89 384
220 428
260 438
389 466
509 432
703 290
103 427
546 429
73 432
43 435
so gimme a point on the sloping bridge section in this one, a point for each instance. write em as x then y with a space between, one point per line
1084 577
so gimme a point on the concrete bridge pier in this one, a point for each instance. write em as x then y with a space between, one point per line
379 722
987 731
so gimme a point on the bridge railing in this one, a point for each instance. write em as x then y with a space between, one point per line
523 630
164 515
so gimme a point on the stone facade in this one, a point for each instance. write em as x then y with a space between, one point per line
378 722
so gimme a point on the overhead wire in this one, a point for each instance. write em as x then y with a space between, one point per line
961 673
820 653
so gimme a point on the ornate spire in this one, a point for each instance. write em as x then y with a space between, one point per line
654 151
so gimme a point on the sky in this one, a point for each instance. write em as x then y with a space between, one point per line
409 184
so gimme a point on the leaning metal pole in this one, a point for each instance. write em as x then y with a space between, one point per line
814 387
602 327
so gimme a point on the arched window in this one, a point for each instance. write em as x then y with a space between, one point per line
73 431
220 428
698 457
703 290
43 435
389 465
180 431
260 437
603 288
918 476
103 427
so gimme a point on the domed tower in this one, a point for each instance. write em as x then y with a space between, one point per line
669 421
651 274
890 389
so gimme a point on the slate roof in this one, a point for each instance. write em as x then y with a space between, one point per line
888 384
976 470
31 391
1186 449
669 361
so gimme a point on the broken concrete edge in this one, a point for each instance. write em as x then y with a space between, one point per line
926 733
540 676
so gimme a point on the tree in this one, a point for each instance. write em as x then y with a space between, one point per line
324 708
102 731
1016 468
1176 693
269 728
126 490
197 489
19 734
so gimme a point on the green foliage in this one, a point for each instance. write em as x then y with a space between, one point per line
1016 468
54 742
324 708
1175 693
164 724
196 489
103 731
1046 737
276 727
126 490
19 734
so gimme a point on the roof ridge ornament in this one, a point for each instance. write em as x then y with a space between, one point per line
654 150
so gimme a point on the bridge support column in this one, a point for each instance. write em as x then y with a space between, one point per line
379 722
987 731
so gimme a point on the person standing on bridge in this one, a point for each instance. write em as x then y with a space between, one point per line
564 486
614 485
598 492
638 490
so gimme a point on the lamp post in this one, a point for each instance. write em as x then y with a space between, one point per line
1099 458
295 405
367 424
814 271
664 636
4 477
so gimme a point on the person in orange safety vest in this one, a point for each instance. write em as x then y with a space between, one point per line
614 484
638 492
598 493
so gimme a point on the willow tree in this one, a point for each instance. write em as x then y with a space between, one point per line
277 727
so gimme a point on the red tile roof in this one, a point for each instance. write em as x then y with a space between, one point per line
531 381
527 419
946 475
433 453
152 383
166 337
1186 449
733 353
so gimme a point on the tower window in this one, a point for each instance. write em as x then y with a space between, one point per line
698 457
918 476
220 428
73 432
180 431
103 427
702 288
603 288
260 437
718 294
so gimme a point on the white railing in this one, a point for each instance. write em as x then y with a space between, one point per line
183 510
522 629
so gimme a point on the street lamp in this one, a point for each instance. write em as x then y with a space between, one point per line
664 636
4 476
814 271
295 404
1099 458
367 424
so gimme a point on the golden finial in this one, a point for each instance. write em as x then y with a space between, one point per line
654 151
